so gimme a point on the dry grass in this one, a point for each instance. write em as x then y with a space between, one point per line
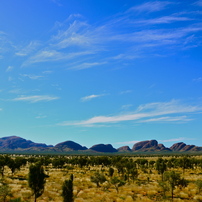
145 189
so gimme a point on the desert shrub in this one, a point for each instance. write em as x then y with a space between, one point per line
183 182
5 191
199 185
111 172
164 188
117 183
67 190
36 180
161 166
173 180
98 178
16 200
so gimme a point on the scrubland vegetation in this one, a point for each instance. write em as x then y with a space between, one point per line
100 178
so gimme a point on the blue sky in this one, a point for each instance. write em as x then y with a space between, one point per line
117 71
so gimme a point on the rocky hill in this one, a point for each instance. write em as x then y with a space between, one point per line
69 146
124 149
103 148
149 146
14 143
181 147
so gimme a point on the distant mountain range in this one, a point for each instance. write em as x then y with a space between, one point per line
18 144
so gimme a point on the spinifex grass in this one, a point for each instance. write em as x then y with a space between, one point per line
144 188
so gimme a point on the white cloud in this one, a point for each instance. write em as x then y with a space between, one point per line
73 35
78 33
126 92
125 107
176 139
154 110
126 56
57 2
87 65
53 55
17 91
9 68
176 119
152 37
90 97
75 38
151 6
164 20
46 55
31 47
41 117
5 44
34 77
128 142
10 78
35 98
198 3
47 72
198 79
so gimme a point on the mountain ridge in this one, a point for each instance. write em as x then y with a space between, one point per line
15 143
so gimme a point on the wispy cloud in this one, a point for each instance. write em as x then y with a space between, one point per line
199 79
127 142
9 69
74 35
10 78
94 44
154 110
31 47
36 98
87 65
57 2
47 72
126 107
177 139
53 55
198 3
5 44
175 119
17 91
41 117
152 6
164 20
126 92
90 97
33 77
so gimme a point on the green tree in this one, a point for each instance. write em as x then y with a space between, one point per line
98 178
173 180
36 180
58 162
164 187
67 190
111 172
185 163
117 183
120 168
5 191
199 185
4 160
161 166
134 174
15 164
